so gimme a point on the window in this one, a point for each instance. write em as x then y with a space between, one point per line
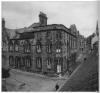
17 62
39 62
22 45
59 64
58 50
58 61
28 48
28 60
58 35
22 62
58 47
11 47
16 47
82 49
11 61
49 48
38 47
48 33
49 63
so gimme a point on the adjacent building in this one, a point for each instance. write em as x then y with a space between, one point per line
92 41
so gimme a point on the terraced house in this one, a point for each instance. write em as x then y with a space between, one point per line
43 48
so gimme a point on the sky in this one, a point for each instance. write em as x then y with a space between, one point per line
84 14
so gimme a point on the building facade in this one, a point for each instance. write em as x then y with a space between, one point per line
43 48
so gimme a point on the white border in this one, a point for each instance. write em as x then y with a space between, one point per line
1 34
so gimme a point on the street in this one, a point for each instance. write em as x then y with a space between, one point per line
24 81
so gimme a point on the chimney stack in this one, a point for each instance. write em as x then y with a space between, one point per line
42 19
3 23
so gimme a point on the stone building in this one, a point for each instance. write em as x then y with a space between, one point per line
82 44
93 39
43 48
5 40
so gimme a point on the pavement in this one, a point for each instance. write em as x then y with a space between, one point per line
85 77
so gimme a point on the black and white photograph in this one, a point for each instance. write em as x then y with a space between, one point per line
50 46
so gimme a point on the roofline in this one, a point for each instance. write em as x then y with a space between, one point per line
46 28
